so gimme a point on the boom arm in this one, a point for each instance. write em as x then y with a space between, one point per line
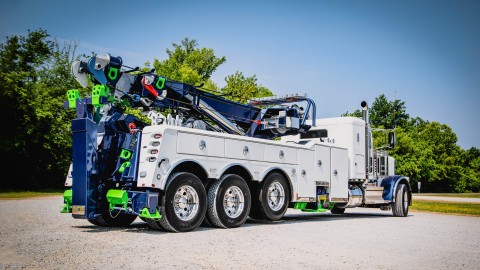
148 90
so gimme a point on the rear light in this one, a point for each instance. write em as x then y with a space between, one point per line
157 136
152 159
155 143
154 151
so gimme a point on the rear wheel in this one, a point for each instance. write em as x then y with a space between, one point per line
228 202
183 206
270 198
402 201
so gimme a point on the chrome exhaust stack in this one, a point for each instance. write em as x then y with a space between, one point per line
365 117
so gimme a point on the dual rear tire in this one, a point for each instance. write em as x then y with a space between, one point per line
186 204
229 202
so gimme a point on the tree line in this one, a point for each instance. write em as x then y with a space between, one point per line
36 138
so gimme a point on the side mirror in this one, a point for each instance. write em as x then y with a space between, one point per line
391 139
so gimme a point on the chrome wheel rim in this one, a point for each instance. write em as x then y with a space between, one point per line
233 202
186 203
275 196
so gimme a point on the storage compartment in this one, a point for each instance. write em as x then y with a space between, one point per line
244 150
280 154
200 145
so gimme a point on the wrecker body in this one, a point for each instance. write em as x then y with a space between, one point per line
204 159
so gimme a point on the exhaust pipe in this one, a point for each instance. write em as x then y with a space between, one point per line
365 118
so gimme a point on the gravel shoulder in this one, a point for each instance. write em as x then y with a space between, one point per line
34 235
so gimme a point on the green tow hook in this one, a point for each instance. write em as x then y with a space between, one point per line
117 198
145 213
67 198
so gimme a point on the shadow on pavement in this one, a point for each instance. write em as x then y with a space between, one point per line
139 226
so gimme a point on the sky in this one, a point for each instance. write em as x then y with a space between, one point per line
426 53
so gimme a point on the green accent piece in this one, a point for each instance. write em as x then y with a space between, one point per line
67 198
72 96
112 73
160 83
117 198
302 206
124 165
125 154
145 213
99 90
319 210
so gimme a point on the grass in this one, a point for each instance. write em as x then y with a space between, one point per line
24 194
460 195
471 209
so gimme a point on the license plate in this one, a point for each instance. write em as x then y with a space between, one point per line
78 210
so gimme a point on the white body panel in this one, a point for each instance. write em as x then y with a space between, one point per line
344 132
216 152
339 175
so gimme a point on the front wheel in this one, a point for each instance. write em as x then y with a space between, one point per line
183 206
270 198
402 201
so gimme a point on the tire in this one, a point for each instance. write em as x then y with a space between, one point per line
270 198
229 202
336 210
402 201
206 222
183 206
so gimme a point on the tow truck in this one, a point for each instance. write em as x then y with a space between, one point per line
205 159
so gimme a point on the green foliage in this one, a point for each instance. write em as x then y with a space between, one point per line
211 86
356 113
241 88
34 77
188 63
388 114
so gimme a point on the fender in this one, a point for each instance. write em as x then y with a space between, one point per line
230 165
289 180
175 165
390 184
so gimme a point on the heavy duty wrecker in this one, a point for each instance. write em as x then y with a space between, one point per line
212 160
